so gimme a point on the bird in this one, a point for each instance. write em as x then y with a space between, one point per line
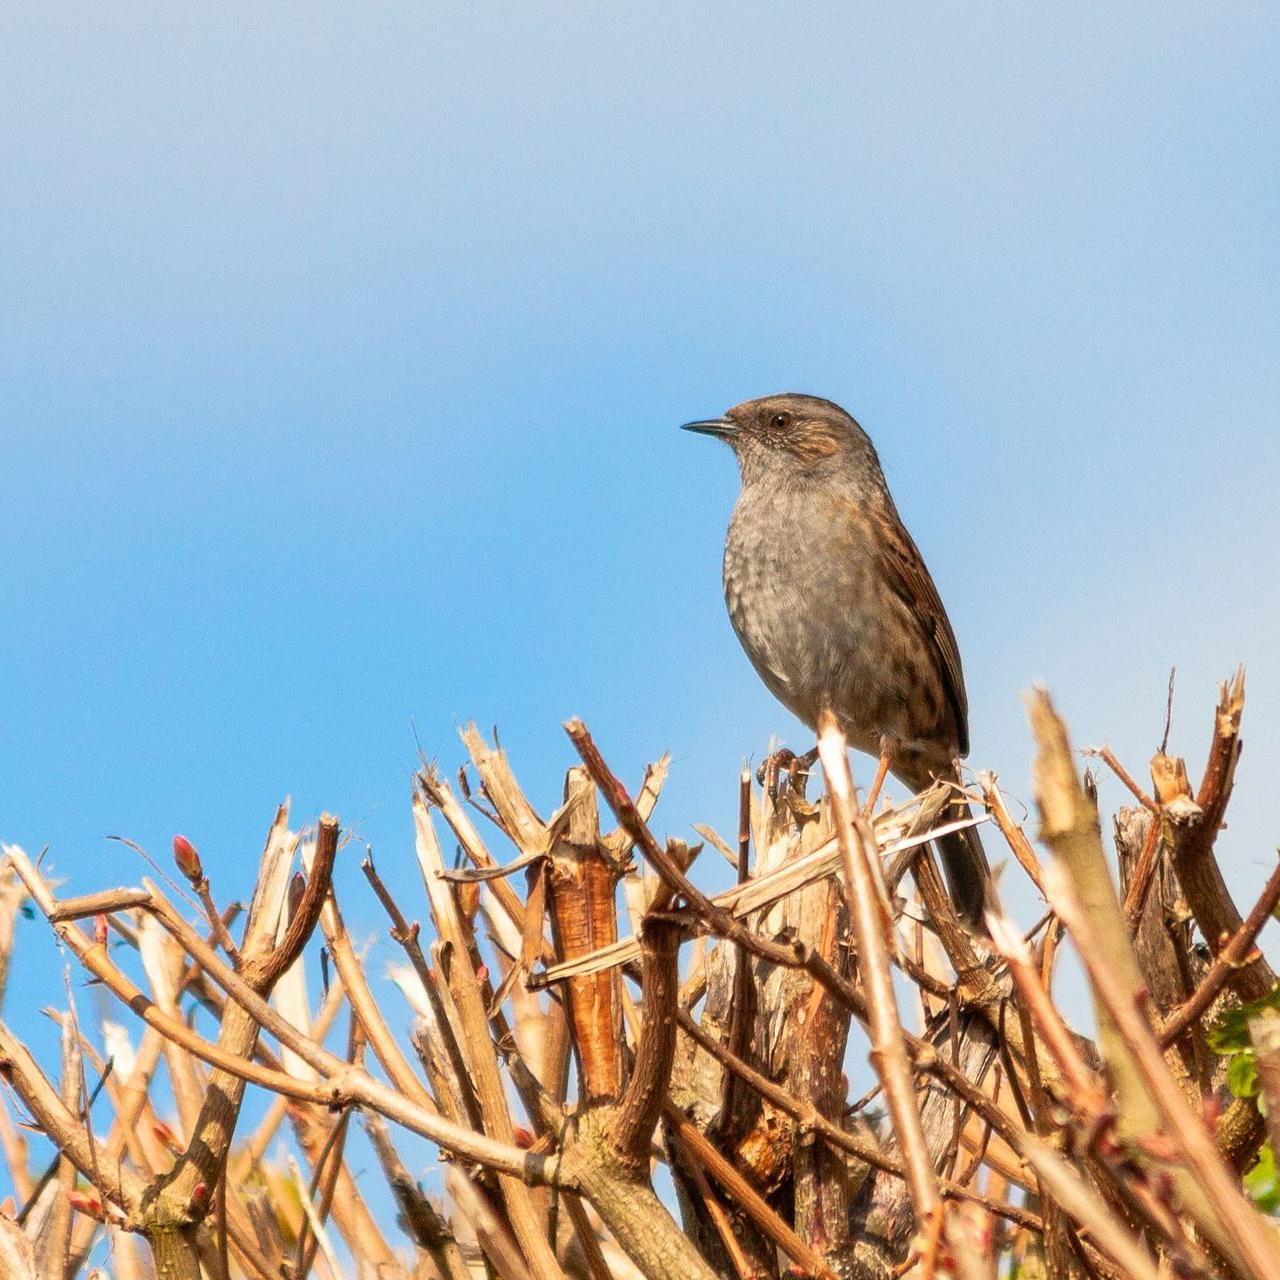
832 602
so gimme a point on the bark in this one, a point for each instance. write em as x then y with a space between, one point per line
1162 943
1192 829
626 1203
884 1218
584 919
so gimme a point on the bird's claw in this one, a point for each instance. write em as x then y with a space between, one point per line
785 763
772 765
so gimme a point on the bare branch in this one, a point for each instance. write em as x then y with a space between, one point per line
642 1106
888 1052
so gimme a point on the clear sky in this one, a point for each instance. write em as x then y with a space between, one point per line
342 351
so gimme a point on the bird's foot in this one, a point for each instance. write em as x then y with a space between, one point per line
799 770
774 766
784 763
882 772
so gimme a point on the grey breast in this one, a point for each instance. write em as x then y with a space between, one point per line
814 616
797 600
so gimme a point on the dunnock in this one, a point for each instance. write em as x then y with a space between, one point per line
835 608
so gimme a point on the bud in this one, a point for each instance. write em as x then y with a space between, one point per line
522 1137
199 1196
90 1205
468 893
1159 1146
297 887
166 1137
100 930
188 860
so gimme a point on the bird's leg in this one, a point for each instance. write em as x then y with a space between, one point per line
882 772
798 770
770 768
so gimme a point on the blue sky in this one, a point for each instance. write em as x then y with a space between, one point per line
342 351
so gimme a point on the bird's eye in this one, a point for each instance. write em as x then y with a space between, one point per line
780 420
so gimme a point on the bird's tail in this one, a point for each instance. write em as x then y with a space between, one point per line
968 874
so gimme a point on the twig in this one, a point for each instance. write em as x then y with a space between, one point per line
1139 884
313 1218
1086 1089
597 1266
53 1245
720 1219
1012 832
1233 1224
1235 953
888 1052
51 1170
1168 711
265 971
257 1145
809 1119
642 1105
341 1084
742 1011
428 1228
366 1010
324 1178
741 1191
482 1059
1090 1211
624 809
1192 828
115 1182
1108 757
406 935
189 863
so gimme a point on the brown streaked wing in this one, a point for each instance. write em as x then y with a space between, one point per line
905 572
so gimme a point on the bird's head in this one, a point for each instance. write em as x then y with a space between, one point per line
791 436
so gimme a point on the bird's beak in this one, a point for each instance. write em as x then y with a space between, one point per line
723 428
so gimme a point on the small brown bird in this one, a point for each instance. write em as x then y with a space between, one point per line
835 608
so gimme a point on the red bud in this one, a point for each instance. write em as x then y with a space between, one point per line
100 930
522 1137
297 887
188 860
85 1204
166 1136
1157 1145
